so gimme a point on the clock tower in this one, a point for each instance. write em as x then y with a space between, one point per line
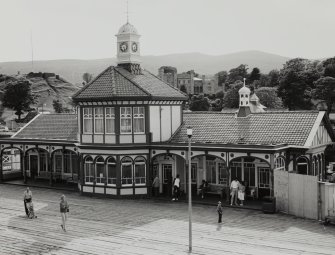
128 48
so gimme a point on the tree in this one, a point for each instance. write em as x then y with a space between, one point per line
329 67
237 74
219 94
222 78
292 90
273 78
231 97
268 97
87 77
18 97
296 81
199 103
58 106
183 88
325 90
255 75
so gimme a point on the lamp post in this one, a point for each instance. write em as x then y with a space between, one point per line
189 135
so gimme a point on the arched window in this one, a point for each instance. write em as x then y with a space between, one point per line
302 165
127 171
111 171
89 170
100 171
140 170
280 164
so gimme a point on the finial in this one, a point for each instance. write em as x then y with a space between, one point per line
244 82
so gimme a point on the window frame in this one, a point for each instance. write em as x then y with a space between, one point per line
108 163
88 117
100 117
110 117
140 163
122 117
123 163
96 164
91 168
137 116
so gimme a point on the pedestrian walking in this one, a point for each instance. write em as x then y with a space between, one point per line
64 209
27 197
219 210
241 193
203 188
176 188
156 184
233 191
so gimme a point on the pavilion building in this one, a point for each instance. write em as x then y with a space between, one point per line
130 127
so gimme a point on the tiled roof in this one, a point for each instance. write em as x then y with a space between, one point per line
51 126
263 128
118 83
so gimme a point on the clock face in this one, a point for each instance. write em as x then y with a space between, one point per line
123 47
134 47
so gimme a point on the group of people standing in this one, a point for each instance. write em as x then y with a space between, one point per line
237 191
28 206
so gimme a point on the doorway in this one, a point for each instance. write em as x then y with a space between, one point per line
263 181
33 166
167 179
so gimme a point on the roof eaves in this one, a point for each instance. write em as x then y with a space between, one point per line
314 129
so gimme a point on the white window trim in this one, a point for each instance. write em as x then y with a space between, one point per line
98 118
112 117
131 120
87 118
96 173
145 173
140 118
132 174
107 164
92 163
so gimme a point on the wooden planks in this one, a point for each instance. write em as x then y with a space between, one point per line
107 226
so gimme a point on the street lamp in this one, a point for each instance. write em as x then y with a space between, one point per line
189 135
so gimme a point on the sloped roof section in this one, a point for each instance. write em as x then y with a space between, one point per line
50 127
117 83
292 128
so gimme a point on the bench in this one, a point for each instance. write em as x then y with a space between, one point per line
214 189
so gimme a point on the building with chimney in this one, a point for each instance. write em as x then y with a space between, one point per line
130 127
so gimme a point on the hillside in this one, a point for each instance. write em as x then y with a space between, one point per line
48 88
72 70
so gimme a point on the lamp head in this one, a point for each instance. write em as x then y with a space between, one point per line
189 132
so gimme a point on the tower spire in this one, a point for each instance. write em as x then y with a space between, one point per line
244 82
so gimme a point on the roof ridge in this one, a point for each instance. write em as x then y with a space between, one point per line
89 84
132 82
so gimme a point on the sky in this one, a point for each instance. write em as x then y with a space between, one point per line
85 29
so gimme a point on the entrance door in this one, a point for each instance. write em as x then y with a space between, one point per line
167 179
263 181
33 166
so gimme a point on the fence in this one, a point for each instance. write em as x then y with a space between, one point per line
296 194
